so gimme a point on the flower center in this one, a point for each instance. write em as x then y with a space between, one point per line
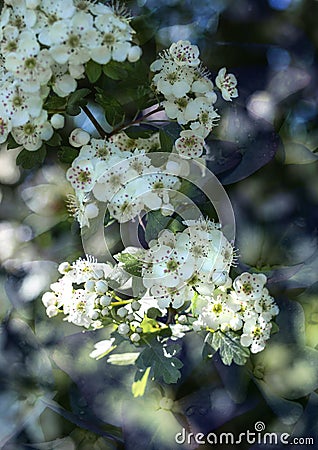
108 39
73 41
30 63
172 77
52 18
181 102
17 101
11 46
102 152
172 265
84 177
29 129
158 185
217 308
247 288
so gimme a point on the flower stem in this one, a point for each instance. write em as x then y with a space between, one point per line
136 121
96 124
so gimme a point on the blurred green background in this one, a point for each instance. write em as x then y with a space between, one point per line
52 395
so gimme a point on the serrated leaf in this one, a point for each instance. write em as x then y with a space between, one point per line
76 100
138 387
136 132
55 140
55 103
163 365
113 110
156 222
131 263
116 70
93 71
11 144
67 154
29 159
146 26
168 135
229 347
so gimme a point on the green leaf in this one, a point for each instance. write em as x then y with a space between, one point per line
146 26
168 135
55 103
93 71
132 264
156 222
114 112
55 140
138 387
116 70
76 100
28 159
160 359
229 347
142 95
136 132
67 154
11 144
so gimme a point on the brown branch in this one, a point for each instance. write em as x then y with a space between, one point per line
96 124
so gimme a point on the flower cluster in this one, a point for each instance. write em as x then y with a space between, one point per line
85 296
189 95
186 274
126 179
243 306
44 45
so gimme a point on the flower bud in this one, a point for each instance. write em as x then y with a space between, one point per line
101 287
79 137
49 299
135 305
123 328
52 311
57 121
135 337
122 312
90 286
64 267
105 300
91 210
134 53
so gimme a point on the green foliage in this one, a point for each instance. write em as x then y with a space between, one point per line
136 132
156 222
229 347
29 159
117 70
55 140
11 143
76 100
93 71
67 154
161 360
131 263
114 112
55 103
168 136
146 26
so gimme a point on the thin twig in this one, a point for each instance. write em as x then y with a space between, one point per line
137 121
96 124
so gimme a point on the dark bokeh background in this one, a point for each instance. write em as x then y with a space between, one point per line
52 395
